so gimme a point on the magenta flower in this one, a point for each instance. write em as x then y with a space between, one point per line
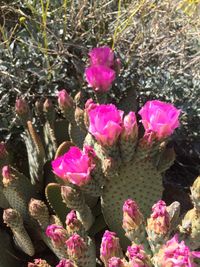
110 247
132 218
38 263
115 262
65 263
105 123
138 256
175 254
130 128
159 222
75 246
64 99
100 77
159 118
102 56
74 166
57 233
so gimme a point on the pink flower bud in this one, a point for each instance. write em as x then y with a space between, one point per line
64 100
65 263
38 263
74 166
176 254
159 222
130 128
21 106
100 78
90 104
71 217
138 256
115 262
102 56
110 247
132 218
105 124
6 173
57 233
76 246
159 118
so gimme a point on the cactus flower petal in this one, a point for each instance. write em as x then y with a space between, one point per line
100 77
74 166
105 123
160 118
102 56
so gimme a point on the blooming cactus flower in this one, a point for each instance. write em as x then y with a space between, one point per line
74 166
159 118
100 77
102 56
57 233
132 218
137 256
64 100
110 247
65 263
174 254
159 222
105 123
130 128
75 246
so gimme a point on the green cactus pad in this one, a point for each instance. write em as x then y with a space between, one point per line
53 195
138 180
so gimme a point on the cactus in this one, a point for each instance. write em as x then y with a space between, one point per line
111 162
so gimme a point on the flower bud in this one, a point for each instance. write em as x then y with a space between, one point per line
130 128
110 247
39 211
115 262
132 217
66 263
57 234
64 100
76 246
21 107
137 256
175 254
159 222
38 263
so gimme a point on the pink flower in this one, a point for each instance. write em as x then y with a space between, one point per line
115 262
38 263
64 100
159 118
105 123
74 166
159 222
90 104
65 263
110 247
130 128
175 254
138 256
102 56
75 246
132 218
100 78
